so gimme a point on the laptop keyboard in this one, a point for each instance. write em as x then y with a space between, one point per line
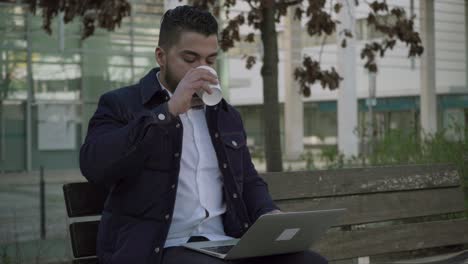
219 249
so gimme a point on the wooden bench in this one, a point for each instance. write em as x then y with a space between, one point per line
391 210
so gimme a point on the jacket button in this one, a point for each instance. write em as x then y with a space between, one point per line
156 250
173 186
246 225
178 125
234 195
225 165
161 117
216 135
234 143
176 155
167 216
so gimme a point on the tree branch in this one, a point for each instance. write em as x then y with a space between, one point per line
294 2
104 14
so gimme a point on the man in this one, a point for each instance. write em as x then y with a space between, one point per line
176 170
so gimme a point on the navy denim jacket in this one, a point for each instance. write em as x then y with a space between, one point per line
133 148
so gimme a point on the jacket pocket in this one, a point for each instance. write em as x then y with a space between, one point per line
234 145
234 140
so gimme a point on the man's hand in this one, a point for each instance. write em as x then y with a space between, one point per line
194 80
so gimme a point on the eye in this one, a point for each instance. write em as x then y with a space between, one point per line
189 59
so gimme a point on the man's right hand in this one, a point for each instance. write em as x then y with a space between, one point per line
194 80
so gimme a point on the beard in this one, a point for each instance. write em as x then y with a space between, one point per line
171 80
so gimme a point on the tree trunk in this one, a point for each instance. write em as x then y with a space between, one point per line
270 89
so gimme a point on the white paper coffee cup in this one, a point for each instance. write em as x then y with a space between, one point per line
216 96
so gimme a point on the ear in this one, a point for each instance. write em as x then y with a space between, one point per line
161 57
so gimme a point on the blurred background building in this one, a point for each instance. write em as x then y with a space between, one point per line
50 85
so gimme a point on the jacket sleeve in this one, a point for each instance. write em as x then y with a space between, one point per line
255 194
114 146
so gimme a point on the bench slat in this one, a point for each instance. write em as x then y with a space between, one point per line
83 237
459 257
83 199
385 206
388 239
336 244
322 183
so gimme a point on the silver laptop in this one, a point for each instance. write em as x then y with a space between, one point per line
273 234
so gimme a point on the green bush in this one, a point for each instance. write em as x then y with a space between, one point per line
399 147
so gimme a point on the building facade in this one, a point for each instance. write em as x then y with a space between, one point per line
50 84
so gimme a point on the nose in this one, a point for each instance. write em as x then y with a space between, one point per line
201 62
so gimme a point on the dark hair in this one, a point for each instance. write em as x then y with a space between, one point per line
185 19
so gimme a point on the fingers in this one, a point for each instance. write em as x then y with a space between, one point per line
202 85
208 78
194 81
206 88
203 74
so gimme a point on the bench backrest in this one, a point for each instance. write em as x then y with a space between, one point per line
83 199
390 209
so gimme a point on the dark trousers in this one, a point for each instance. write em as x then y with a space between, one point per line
181 255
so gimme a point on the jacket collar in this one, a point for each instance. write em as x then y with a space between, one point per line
150 86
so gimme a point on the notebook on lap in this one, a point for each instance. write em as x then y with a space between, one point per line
273 234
